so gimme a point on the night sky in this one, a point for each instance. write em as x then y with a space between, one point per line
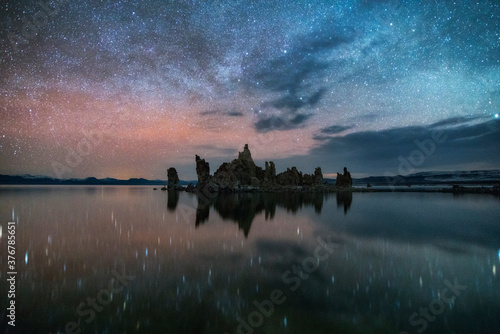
129 88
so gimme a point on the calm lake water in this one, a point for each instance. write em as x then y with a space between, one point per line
133 260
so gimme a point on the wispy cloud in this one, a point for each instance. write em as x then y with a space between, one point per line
230 113
296 77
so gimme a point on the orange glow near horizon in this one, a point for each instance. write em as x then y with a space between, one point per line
123 140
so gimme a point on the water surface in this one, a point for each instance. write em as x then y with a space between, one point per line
242 263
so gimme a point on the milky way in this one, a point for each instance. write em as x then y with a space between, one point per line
129 88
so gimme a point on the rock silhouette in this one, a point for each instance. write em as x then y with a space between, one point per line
291 177
173 179
239 173
270 173
344 180
203 171
242 174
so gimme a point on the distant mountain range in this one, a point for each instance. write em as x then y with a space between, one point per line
480 177
40 180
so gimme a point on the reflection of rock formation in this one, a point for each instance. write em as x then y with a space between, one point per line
344 198
173 199
202 210
240 208
293 202
243 207
344 180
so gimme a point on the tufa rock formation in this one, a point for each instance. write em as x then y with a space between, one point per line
239 173
313 180
173 179
318 176
344 180
203 171
291 177
270 173
242 174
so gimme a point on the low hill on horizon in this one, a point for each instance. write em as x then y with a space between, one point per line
46 180
476 177
481 177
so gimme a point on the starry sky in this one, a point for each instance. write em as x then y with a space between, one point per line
129 88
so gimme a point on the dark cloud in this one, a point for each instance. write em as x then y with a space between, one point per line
209 112
281 123
296 76
380 152
230 113
293 103
316 97
289 72
334 129
234 113
270 123
321 137
299 119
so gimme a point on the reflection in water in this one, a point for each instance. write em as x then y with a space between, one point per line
240 208
243 207
393 258
173 200
344 198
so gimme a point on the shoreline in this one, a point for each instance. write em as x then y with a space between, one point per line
453 189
